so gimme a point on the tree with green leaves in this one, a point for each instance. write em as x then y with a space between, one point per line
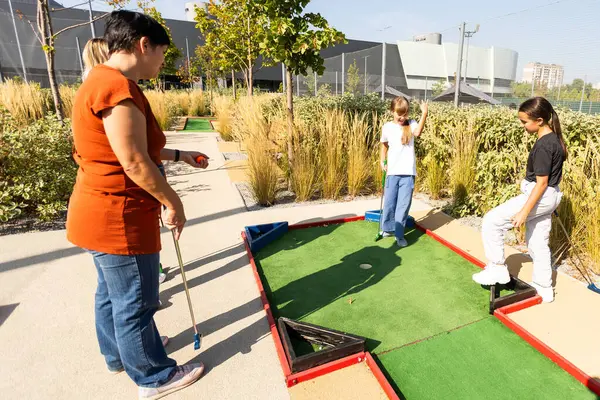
294 38
352 79
231 27
205 62
438 88
46 36
173 53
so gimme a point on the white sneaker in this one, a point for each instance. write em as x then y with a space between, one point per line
184 376
492 274
547 294
162 277
388 234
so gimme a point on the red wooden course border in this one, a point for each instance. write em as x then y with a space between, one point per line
501 314
589 382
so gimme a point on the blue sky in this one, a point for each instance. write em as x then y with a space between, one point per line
565 32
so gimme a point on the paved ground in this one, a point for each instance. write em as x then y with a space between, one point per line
47 338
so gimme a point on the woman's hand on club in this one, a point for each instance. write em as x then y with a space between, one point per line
174 219
383 166
195 159
424 107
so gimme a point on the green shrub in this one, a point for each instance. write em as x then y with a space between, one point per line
36 170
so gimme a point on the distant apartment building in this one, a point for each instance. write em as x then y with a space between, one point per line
544 74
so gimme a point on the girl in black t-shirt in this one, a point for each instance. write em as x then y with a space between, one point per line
540 196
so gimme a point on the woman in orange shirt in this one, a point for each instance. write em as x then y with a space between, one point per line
115 207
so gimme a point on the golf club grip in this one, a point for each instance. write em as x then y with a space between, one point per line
187 292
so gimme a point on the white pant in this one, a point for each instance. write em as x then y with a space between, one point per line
538 225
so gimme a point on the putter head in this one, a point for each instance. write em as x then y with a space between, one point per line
379 237
197 341
594 288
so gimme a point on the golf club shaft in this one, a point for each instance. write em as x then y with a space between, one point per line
381 204
187 292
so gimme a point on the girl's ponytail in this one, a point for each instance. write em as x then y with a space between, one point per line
555 124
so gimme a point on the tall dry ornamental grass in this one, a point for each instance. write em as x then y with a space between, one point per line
332 129
464 143
26 102
162 108
580 208
263 173
67 94
197 104
307 172
359 149
223 108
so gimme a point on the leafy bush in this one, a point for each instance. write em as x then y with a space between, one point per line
36 170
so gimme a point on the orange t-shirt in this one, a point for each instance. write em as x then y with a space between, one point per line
108 212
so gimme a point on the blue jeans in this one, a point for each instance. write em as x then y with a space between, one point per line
126 300
396 203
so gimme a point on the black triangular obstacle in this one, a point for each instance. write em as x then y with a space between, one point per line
334 344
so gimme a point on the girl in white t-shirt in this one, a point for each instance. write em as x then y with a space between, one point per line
398 149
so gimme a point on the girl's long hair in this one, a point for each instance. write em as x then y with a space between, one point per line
539 107
401 106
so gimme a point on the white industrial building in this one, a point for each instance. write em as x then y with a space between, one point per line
427 60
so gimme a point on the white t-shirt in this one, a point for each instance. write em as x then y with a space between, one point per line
401 157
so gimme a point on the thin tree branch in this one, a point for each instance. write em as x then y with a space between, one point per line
67 8
35 31
236 55
82 24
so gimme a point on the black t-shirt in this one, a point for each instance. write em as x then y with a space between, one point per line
546 159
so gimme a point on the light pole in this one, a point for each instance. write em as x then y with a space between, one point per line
92 26
469 35
461 43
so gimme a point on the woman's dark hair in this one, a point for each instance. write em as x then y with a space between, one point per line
539 107
124 28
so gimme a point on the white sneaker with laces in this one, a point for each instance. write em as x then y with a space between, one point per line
492 274
184 376
547 294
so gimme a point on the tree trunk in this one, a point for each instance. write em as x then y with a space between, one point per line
250 63
233 84
47 34
58 107
250 82
290 120
210 89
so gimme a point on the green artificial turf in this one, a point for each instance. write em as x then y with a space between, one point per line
198 125
419 291
485 360
424 318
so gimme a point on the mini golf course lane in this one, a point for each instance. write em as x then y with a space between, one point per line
425 320
198 125
410 294
485 360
